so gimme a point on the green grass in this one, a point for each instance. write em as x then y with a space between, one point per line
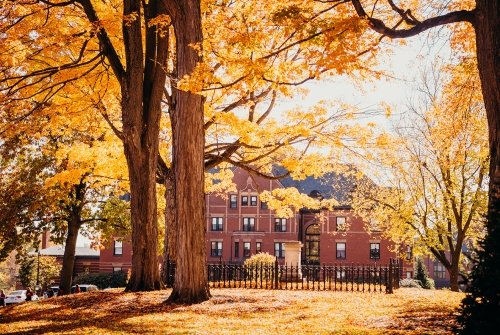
238 311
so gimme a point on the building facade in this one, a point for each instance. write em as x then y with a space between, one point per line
239 225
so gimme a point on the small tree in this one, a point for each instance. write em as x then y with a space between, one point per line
5 282
422 276
39 270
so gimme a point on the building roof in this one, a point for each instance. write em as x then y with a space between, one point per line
329 186
58 250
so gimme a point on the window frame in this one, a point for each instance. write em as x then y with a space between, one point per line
340 227
116 248
258 247
409 253
338 252
216 252
252 202
263 205
219 226
233 201
247 252
117 269
279 250
236 249
244 200
278 225
439 270
375 255
246 223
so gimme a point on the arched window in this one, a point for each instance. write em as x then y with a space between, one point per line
312 244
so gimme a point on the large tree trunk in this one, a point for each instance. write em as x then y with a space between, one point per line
191 285
453 272
169 253
68 264
145 274
142 89
481 307
488 58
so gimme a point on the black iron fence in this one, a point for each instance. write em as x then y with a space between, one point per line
353 277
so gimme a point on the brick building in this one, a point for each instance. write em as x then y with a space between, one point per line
239 225
87 260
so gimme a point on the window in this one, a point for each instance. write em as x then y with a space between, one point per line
253 200
409 253
233 201
374 250
279 249
248 224
280 224
374 226
244 200
117 269
341 226
312 244
216 249
217 224
409 275
263 205
118 248
237 249
439 271
246 249
341 250
258 247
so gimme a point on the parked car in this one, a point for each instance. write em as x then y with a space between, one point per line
54 290
18 296
85 288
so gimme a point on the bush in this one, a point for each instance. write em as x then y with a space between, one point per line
421 275
260 265
409 282
103 280
259 259
429 284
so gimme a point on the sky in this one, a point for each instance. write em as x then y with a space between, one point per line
405 64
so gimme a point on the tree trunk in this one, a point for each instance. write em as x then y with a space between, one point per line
453 272
142 90
142 172
481 307
68 264
169 253
488 59
191 285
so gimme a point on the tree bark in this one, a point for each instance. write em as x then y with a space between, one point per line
143 207
68 264
481 307
453 272
142 91
488 59
169 252
191 285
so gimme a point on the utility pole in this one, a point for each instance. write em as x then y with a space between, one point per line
38 270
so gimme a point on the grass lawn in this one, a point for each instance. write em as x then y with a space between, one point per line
238 311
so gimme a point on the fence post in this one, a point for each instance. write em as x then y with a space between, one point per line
389 288
276 270
398 273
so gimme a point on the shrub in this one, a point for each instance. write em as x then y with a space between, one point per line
260 265
259 259
421 275
409 282
103 280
